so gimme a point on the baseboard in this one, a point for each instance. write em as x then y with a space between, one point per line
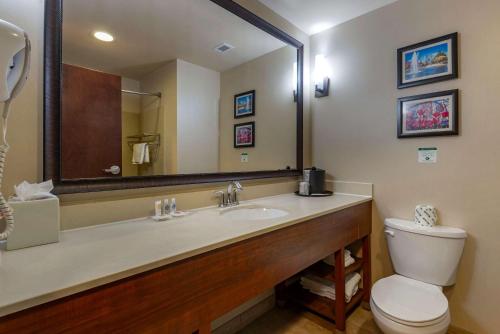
457 330
244 318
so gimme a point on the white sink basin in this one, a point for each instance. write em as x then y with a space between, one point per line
253 213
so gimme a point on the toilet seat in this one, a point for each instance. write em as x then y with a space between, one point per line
409 302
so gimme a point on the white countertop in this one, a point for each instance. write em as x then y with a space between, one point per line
93 256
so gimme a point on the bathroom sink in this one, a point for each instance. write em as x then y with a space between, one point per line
253 213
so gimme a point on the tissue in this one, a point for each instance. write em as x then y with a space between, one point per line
26 191
426 215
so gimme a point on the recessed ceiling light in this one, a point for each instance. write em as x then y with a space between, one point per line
104 36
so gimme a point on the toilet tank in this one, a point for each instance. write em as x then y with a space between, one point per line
426 254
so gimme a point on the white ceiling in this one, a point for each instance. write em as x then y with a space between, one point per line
313 16
149 33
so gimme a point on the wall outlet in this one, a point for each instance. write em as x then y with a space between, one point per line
244 157
427 155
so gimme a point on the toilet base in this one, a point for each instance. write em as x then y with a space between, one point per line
389 326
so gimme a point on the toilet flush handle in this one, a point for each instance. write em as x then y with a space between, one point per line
389 232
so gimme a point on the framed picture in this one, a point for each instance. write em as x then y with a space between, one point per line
427 62
244 135
244 104
434 114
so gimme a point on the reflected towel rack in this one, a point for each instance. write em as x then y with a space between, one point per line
151 139
157 94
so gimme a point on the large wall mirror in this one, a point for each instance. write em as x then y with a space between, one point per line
164 92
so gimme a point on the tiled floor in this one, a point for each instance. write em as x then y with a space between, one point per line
288 321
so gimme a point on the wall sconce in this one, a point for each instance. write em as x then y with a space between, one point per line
321 76
294 82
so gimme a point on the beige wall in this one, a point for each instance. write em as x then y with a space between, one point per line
355 136
261 10
275 123
131 126
159 115
25 158
131 123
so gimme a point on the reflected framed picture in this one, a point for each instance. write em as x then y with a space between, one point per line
434 114
427 62
244 135
244 104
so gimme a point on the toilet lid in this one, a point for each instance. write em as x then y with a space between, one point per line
409 300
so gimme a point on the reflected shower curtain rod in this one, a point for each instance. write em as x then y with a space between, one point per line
141 93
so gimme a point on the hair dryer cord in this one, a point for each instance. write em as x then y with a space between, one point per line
5 209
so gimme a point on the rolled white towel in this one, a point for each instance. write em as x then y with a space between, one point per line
348 259
325 288
351 285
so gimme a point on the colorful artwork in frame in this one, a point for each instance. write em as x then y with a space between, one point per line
427 62
434 114
244 135
244 104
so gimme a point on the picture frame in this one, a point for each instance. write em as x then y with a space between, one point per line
244 135
427 62
428 115
244 104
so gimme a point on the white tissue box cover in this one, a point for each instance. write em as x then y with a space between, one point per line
35 223
426 215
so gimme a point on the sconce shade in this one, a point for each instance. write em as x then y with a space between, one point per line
322 89
321 76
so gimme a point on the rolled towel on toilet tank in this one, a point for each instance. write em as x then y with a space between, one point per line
426 215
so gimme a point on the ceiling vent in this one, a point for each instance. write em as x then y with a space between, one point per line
223 48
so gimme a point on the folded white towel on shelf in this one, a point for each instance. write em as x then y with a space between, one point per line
140 154
348 259
325 288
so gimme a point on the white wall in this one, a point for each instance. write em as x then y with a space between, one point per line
198 93
354 136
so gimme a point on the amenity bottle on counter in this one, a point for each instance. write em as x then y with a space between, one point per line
173 206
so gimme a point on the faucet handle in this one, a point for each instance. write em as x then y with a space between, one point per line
236 191
220 195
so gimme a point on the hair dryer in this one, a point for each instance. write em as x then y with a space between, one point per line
14 67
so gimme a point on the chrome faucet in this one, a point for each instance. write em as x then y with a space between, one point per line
232 192
230 197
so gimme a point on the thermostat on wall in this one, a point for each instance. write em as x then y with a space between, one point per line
427 155
244 157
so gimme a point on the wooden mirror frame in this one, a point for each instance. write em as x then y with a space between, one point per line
52 115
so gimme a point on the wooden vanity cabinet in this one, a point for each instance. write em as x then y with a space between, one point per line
185 296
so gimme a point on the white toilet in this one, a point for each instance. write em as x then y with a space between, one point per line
425 259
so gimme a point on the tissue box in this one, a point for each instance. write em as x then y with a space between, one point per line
35 223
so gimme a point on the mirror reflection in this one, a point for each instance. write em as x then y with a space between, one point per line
172 87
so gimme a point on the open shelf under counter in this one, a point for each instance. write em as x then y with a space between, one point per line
326 271
334 310
322 306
